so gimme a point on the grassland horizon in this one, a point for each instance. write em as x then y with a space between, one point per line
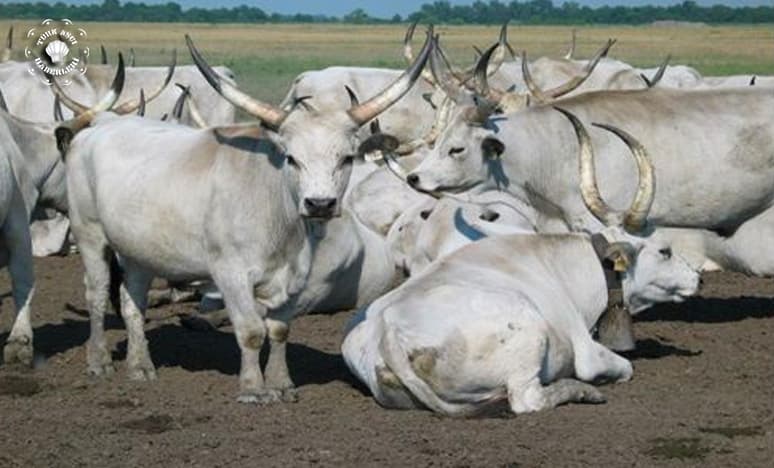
266 57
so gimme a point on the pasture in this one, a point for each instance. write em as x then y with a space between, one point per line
701 394
266 58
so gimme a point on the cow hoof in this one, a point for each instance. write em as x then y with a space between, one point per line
142 374
101 370
592 395
18 351
289 395
261 397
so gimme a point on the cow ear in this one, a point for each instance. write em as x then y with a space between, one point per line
378 142
63 136
492 147
621 255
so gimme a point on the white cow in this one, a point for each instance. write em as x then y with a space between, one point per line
31 173
165 204
509 318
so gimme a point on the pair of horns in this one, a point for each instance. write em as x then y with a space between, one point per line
462 77
567 87
65 132
126 107
273 117
633 219
104 56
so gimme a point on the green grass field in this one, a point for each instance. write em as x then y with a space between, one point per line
266 58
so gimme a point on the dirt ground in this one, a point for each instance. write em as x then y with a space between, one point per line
702 395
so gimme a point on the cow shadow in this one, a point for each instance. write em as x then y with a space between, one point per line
649 348
710 310
56 338
173 345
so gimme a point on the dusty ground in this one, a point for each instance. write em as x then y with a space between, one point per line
702 395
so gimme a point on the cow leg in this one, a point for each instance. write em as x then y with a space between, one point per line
134 298
18 348
277 374
96 257
533 396
248 319
615 329
594 362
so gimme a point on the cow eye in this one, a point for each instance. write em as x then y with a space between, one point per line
456 150
291 160
666 253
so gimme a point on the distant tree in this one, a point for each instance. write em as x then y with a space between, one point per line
357 16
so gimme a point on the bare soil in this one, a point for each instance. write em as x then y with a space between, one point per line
702 395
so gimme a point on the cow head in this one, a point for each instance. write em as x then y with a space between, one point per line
318 146
468 151
649 270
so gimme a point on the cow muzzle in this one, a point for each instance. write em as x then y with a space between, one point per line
323 208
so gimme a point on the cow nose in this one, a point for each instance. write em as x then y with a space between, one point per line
322 207
413 180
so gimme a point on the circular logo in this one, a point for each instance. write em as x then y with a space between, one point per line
56 49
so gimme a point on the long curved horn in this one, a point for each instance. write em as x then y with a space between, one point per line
408 53
366 111
6 54
481 82
442 74
193 109
268 114
177 111
659 73
103 54
58 116
441 121
495 62
132 105
65 132
141 107
3 104
503 47
635 216
588 180
107 101
571 51
533 88
565 88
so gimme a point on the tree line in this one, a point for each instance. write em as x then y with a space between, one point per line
480 12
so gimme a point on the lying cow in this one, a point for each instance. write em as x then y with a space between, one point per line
509 317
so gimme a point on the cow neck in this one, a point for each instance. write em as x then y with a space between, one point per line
612 277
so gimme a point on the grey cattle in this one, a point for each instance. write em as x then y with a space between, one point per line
31 173
166 204
509 317
709 179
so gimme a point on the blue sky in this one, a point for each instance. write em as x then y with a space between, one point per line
384 8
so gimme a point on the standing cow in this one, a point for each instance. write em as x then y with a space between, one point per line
240 205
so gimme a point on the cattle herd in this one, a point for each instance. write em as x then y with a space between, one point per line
495 225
